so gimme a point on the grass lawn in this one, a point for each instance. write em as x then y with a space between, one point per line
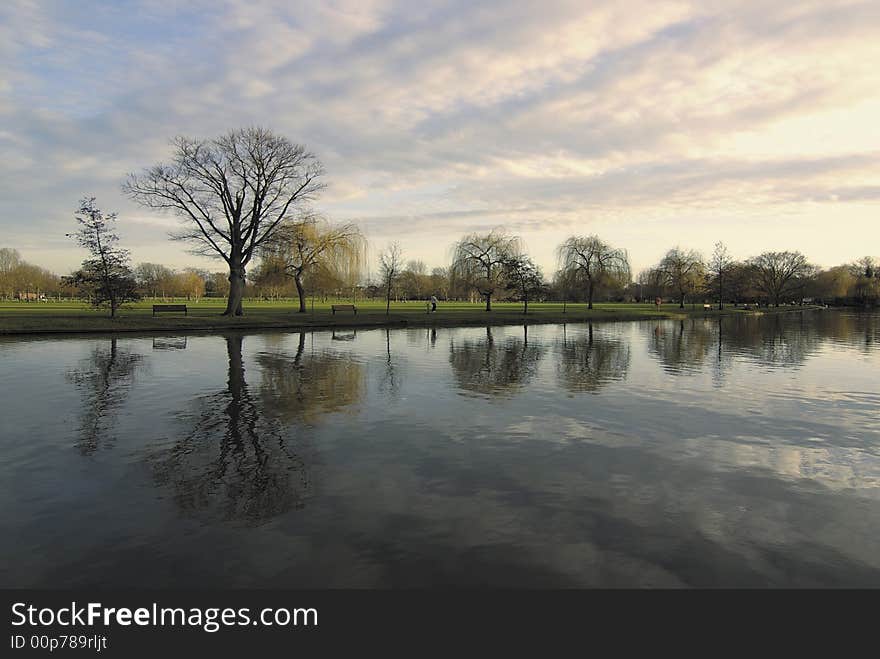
52 317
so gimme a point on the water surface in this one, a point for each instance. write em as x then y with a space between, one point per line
744 452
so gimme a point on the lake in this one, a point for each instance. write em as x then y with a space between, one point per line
740 452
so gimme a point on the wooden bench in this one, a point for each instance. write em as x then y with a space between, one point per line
343 307
169 308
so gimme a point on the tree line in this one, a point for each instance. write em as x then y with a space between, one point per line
246 199
328 261
20 280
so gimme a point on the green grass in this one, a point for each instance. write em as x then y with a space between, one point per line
51 317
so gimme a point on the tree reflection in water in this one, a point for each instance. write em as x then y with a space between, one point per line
244 457
783 340
590 361
389 382
495 367
778 340
681 346
305 386
105 380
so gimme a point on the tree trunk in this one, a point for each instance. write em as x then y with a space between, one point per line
681 302
236 291
590 295
388 300
300 291
300 349
236 385
488 302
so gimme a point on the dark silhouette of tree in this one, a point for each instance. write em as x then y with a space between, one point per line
106 278
524 277
232 193
779 274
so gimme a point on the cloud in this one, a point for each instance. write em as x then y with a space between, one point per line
451 115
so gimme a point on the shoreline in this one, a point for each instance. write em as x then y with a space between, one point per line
372 321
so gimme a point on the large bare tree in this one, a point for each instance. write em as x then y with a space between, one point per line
591 259
232 193
478 259
10 262
780 273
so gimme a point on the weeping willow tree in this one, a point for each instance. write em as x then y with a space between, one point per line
594 261
312 248
478 260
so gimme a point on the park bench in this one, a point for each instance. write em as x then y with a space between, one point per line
343 307
169 308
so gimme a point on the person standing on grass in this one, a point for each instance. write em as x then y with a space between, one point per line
433 304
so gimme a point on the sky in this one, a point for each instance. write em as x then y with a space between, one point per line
651 124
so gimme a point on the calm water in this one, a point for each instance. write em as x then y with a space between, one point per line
745 453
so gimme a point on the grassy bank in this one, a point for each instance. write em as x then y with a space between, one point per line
70 317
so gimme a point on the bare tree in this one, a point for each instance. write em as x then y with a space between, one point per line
311 242
106 277
780 273
683 270
154 279
651 282
390 265
565 282
439 281
232 193
719 266
10 261
593 260
478 259
417 267
866 280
